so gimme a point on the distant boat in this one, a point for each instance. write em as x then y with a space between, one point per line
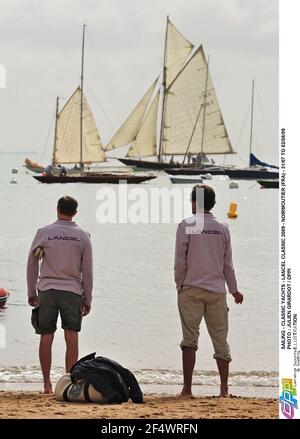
34 167
182 179
269 184
4 295
252 173
77 141
182 117
95 178
215 170
256 169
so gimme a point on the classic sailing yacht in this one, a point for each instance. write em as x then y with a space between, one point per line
182 117
77 141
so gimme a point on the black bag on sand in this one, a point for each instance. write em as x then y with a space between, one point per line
113 381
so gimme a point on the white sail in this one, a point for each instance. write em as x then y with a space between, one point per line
145 143
67 142
178 48
184 98
129 130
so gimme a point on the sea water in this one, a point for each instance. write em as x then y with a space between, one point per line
134 318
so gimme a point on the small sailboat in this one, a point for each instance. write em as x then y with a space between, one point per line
183 179
182 117
34 166
256 169
4 295
77 142
269 184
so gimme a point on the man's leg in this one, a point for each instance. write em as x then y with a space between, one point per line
188 364
191 309
45 360
216 318
71 338
223 367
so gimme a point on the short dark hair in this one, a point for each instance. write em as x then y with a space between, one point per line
67 206
209 196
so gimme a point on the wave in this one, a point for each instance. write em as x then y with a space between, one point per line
32 374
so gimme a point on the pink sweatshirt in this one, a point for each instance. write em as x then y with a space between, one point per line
67 263
204 259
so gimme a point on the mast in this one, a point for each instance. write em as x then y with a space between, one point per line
192 135
55 129
251 125
204 111
81 100
163 97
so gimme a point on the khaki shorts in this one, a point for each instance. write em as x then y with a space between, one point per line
195 303
52 302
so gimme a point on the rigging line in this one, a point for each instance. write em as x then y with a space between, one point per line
260 106
243 126
41 128
242 160
251 187
104 80
100 106
48 135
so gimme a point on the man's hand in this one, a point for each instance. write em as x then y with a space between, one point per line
85 310
33 301
238 297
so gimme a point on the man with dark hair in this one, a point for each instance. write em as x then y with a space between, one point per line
61 283
62 171
203 264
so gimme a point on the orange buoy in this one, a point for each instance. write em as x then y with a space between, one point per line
232 213
3 297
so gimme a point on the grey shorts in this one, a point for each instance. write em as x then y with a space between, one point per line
52 302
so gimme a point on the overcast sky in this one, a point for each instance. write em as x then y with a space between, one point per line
40 44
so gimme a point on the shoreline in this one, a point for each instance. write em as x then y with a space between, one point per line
165 389
35 405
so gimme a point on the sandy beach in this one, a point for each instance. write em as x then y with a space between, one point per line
34 405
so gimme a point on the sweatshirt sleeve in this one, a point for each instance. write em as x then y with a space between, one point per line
229 273
33 266
87 271
181 248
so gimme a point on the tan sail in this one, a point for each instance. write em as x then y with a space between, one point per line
178 48
67 142
129 130
145 143
184 98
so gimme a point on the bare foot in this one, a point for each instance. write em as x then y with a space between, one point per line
48 388
223 392
185 395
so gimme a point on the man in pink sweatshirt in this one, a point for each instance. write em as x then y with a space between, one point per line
203 264
60 280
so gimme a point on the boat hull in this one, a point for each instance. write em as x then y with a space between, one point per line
145 165
252 174
269 184
197 171
3 300
94 179
178 180
152 166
